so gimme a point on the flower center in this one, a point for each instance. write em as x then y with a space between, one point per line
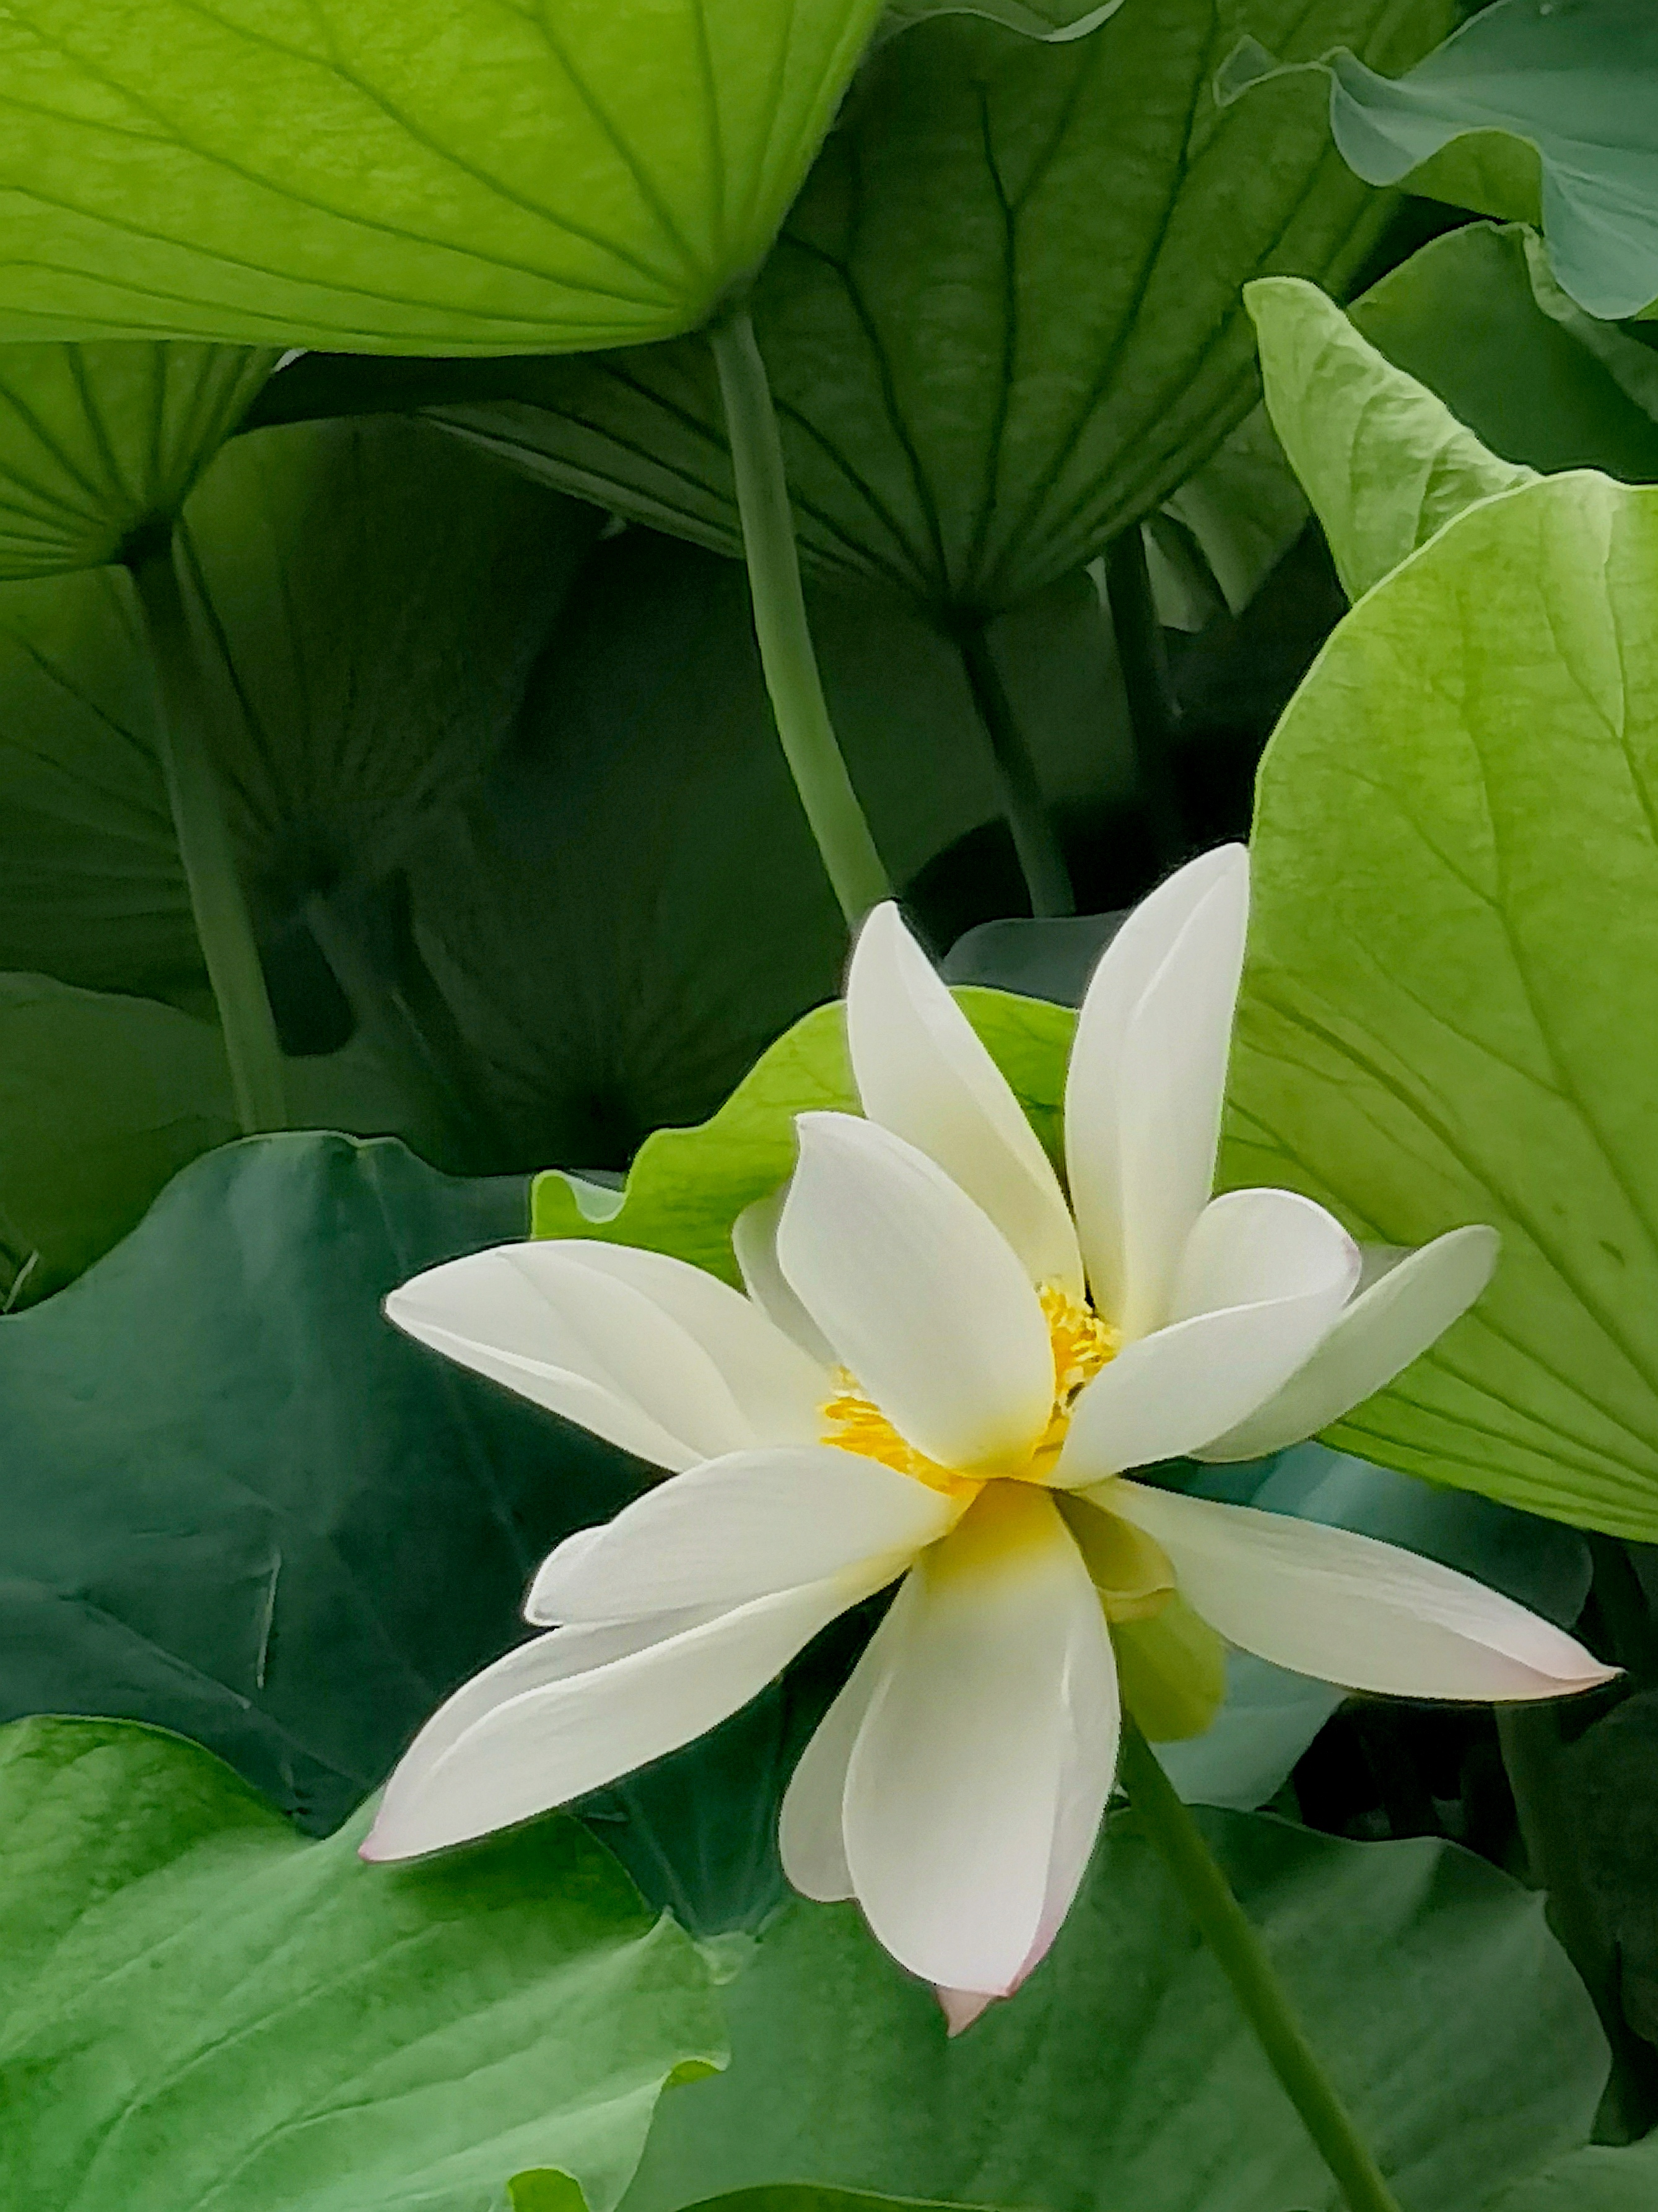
1082 1343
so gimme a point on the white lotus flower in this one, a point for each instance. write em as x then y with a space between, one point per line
939 1375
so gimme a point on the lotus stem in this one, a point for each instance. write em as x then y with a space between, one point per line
1242 1959
810 745
217 900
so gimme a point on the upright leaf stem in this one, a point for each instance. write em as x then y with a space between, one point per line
801 713
216 897
1242 1959
1047 878
1144 668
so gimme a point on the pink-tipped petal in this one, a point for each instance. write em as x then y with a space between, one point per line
982 1765
1350 1609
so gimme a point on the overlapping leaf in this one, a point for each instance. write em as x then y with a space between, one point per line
364 666
98 442
459 176
197 2007
1477 317
1533 108
1449 1003
963 420
688 1186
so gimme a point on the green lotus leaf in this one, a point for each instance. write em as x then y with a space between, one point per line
961 420
1477 317
198 2006
98 442
238 1505
1384 461
1597 2178
842 2070
1529 109
456 176
688 1186
1451 998
633 909
365 667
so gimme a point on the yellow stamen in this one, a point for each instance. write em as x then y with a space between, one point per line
1083 1343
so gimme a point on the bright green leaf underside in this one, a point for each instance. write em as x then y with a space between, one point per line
97 441
200 2008
688 1186
459 176
1123 2074
1450 1010
964 422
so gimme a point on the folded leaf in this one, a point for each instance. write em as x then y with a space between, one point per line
1384 462
1529 107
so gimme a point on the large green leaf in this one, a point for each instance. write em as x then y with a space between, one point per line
462 176
365 668
1451 1002
240 1505
1477 317
634 909
101 1100
196 2008
98 441
103 1097
1595 2179
963 420
1384 461
1534 106
688 1186
1123 2075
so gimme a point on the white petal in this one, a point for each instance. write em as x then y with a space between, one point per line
1177 1389
583 1344
980 1763
1350 1609
737 1527
922 1073
919 1292
1143 1094
530 1666
754 1240
1252 1244
1391 1321
779 1390
522 1745
810 1831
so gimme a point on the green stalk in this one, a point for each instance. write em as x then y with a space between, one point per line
1242 1959
1145 667
798 703
216 898
1040 861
